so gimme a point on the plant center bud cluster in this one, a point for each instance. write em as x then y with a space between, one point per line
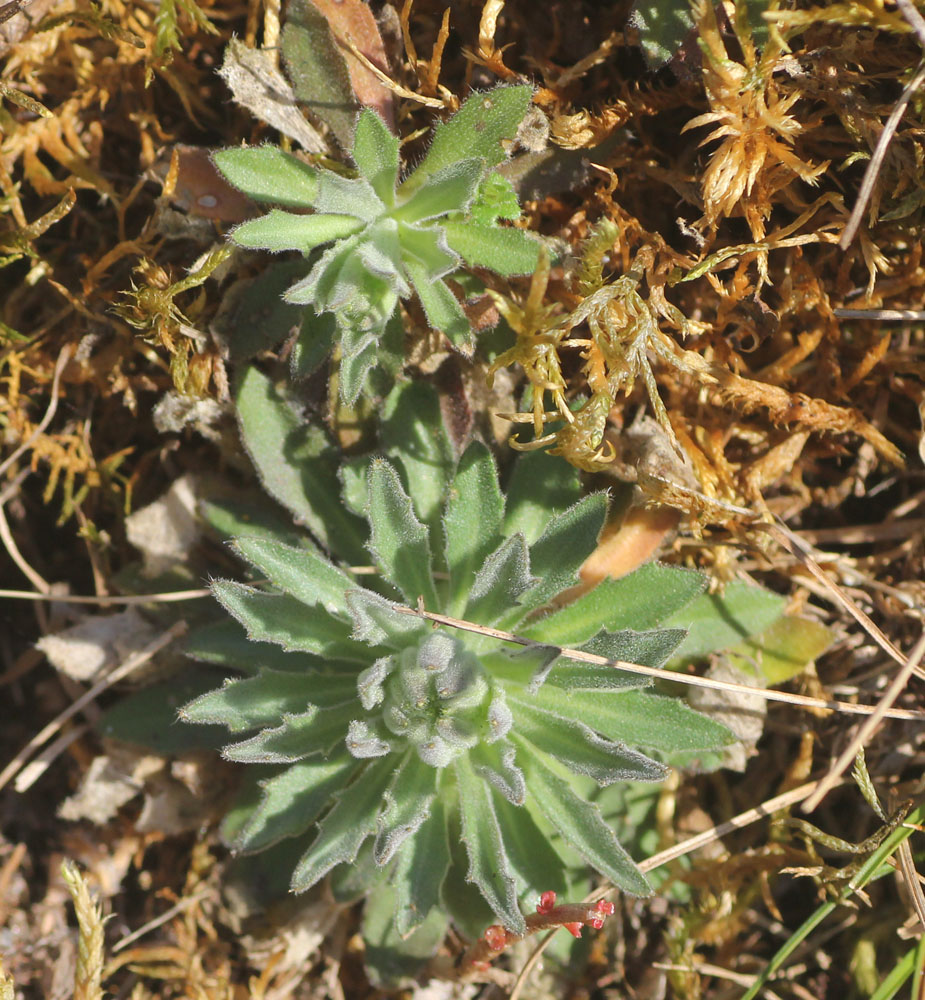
435 696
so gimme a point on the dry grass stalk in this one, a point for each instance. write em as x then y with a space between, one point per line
868 726
123 670
691 680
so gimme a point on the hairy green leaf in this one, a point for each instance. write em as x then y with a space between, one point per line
580 748
394 958
294 799
306 576
263 699
650 649
407 805
278 231
315 730
480 127
443 311
534 861
662 26
225 643
420 870
557 555
266 173
348 196
496 763
495 199
375 152
427 248
540 483
317 69
149 717
398 540
580 824
641 600
283 620
295 465
354 372
718 621
316 338
375 622
504 251
241 516
782 650
503 577
345 827
450 189
639 718
414 436
489 868
472 524
254 315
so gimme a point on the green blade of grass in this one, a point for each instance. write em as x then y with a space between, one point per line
873 868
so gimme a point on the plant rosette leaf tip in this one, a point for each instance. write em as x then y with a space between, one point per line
376 239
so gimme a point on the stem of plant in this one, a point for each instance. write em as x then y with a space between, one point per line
548 916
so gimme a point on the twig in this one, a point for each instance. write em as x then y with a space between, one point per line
864 534
705 969
271 29
800 550
603 52
867 727
876 160
9 543
915 19
396 88
34 770
13 486
882 315
912 879
668 675
10 867
116 675
184 904
165 597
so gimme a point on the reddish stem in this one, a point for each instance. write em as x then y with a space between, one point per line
548 916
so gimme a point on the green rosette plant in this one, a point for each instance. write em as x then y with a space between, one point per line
437 759
389 238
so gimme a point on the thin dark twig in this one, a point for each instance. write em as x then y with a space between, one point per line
876 161
882 315
915 19
10 10
867 727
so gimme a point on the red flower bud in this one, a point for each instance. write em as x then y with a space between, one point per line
605 909
574 929
547 902
496 937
